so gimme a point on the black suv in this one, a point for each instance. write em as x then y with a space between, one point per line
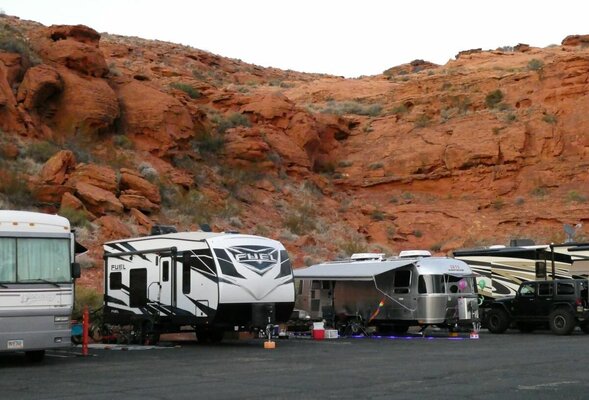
562 303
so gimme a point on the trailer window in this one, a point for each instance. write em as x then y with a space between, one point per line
431 284
138 287
402 281
185 278
115 281
165 271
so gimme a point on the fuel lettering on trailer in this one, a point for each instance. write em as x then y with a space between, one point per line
118 267
254 257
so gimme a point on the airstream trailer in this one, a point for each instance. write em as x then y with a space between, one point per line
392 294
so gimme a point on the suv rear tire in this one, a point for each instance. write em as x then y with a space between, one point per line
562 322
497 320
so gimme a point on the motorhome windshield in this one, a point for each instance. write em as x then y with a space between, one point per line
24 260
444 284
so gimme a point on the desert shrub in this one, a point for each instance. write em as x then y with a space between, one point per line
208 142
510 117
422 121
191 91
122 141
417 233
377 215
353 244
229 121
301 219
375 165
400 109
539 191
535 65
497 203
493 98
76 217
41 151
13 41
85 296
574 196
352 107
148 171
549 119
15 188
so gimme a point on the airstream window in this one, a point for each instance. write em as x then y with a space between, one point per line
431 284
402 281
459 284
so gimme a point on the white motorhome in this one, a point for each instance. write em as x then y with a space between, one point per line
37 270
501 269
214 282
392 294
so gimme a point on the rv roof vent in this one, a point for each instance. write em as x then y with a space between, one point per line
367 256
414 253
163 229
521 242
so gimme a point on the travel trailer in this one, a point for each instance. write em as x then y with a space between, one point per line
502 269
213 282
392 294
37 272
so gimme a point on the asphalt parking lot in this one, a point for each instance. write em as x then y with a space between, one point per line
509 366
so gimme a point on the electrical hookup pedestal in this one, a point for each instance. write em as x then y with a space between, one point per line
269 344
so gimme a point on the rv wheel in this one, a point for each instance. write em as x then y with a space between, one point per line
497 320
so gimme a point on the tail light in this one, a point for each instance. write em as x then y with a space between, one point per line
578 302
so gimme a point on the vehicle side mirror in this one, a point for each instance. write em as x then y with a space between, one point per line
76 270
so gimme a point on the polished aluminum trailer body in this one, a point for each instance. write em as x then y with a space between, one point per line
400 291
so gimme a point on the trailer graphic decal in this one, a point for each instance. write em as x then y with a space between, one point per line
226 265
259 259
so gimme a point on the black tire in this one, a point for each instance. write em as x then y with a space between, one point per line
77 339
562 321
497 320
35 356
585 326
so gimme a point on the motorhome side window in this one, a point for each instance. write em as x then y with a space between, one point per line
165 271
541 269
402 281
115 281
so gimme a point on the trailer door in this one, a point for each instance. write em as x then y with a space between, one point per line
167 275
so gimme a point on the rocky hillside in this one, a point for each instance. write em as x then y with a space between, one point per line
119 133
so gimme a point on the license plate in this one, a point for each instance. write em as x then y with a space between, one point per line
15 344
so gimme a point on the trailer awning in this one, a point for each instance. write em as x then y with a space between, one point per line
348 271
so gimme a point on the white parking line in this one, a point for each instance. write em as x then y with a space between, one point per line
546 385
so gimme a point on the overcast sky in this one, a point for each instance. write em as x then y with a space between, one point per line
340 37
